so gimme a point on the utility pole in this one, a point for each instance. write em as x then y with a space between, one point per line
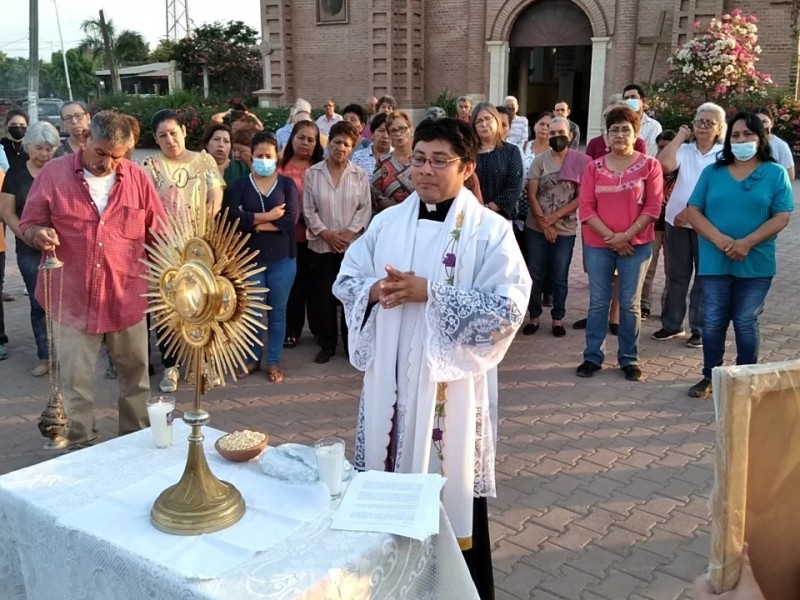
63 52
116 86
33 59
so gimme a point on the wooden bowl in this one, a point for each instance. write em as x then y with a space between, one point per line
244 454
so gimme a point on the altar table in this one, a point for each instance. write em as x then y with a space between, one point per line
43 556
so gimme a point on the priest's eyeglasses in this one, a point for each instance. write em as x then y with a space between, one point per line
436 162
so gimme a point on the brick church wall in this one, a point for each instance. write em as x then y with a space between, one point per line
334 60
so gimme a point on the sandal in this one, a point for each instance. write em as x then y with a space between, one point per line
274 374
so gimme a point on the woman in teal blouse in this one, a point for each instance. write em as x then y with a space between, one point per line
738 207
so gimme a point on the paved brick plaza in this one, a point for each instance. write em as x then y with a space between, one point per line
603 483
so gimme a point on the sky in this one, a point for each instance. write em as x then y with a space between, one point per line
148 17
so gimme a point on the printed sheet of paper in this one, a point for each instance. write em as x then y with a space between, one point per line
399 503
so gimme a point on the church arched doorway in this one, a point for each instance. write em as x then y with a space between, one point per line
550 59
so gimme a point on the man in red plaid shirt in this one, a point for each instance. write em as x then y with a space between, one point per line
97 209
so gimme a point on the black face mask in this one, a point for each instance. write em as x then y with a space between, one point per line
559 142
17 132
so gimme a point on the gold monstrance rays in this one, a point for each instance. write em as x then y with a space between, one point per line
225 325
206 310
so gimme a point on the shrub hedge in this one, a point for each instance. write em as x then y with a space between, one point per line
196 111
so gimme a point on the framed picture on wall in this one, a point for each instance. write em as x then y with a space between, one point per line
331 11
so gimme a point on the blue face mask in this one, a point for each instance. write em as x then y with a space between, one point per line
744 150
264 167
634 103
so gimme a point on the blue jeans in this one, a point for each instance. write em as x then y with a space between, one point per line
682 255
278 278
729 298
551 262
600 265
28 264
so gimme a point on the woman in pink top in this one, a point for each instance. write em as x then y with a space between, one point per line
620 198
302 150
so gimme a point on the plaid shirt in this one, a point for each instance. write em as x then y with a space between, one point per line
102 269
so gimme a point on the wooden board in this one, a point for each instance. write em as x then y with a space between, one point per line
756 496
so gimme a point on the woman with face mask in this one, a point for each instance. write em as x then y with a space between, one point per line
267 205
552 225
16 125
737 208
187 182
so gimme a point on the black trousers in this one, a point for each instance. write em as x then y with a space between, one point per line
299 296
3 336
322 304
479 557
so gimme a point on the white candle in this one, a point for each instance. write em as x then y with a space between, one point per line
159 410
330 463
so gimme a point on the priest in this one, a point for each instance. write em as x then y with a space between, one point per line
434 292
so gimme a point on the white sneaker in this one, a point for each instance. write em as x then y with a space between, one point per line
169 381
40 369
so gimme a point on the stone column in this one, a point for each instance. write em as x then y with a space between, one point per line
498 71
597 97
523 69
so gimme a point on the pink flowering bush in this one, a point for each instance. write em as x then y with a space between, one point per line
678 109
718 63
786 118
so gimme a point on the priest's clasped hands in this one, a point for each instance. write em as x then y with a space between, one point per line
398 287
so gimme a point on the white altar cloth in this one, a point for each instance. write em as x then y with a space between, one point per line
44 554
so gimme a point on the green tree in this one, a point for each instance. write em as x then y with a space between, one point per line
225 49
130 48
166 51
92 45
14 76
127 47
81 74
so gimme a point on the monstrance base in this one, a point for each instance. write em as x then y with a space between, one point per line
199 502
57 443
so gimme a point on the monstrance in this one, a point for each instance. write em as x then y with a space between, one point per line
53 420
206 309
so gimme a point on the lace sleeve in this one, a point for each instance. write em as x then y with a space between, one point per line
354 295
470 330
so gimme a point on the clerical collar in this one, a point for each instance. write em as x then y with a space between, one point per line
435 212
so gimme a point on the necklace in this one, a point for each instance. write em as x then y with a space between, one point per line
261 196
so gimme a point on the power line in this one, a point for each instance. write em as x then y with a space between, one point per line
20 40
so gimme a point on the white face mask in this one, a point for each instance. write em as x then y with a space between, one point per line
634 103
744 150
264 167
